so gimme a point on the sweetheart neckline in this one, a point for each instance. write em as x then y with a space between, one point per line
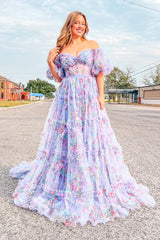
87 49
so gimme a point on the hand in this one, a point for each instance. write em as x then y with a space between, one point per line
53 53
101 102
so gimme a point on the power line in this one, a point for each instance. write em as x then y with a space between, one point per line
140 5
145 66
145 70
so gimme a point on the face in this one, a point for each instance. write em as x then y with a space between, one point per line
79 26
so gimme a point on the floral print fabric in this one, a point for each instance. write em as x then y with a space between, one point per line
79 174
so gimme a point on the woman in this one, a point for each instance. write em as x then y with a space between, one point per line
79 174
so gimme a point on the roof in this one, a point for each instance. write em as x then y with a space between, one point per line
149 86
112 91
37 94
5 79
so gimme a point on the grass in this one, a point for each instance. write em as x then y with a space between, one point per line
14 103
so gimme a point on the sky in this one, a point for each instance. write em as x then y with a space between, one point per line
128 34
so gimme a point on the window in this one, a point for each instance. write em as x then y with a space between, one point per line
1 84
2 95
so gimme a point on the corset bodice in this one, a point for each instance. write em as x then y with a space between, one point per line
79 65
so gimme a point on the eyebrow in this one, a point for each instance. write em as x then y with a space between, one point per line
79 21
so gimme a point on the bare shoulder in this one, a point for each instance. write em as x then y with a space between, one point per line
93 44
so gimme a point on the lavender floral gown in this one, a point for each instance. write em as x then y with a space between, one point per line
79 174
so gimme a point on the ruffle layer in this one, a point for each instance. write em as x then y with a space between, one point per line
73 208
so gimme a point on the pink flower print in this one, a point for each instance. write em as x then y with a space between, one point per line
63 219
113 212
15 195
71 135
67 223
60 130
75 181
73 187
72 149
75 114
102 215
111 194
57 166
106 160
98 193
45 153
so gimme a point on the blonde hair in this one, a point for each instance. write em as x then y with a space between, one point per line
66 34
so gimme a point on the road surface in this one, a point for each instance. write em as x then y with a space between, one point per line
137 129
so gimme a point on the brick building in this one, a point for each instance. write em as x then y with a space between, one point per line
25 95
9 91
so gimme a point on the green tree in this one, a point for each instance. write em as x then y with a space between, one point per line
153 78
119 79
40 86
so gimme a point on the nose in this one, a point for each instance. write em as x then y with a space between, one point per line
80 25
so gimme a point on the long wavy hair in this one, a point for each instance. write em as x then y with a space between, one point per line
65 36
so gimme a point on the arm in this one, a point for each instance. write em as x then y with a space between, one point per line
100 84
51 56
53 70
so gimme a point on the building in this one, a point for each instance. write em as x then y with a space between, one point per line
9 91
149 94
36 96
141 95
25 95
121 95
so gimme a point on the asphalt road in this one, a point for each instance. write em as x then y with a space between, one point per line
137 129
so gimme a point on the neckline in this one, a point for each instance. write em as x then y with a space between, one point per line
87 49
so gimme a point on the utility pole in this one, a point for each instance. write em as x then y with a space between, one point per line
31 93
5 89
117 79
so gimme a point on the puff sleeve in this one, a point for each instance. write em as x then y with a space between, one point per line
59 70
101 63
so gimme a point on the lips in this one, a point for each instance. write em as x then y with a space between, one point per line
79 30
